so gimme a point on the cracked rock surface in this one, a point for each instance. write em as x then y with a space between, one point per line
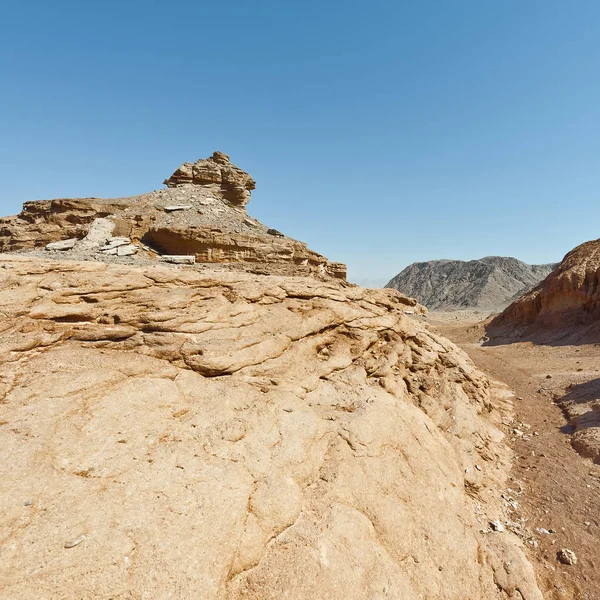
169 433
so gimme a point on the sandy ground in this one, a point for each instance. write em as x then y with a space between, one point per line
560 488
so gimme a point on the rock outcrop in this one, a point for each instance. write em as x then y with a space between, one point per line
217 174
204 217
564 308
581 406
174 433
488 283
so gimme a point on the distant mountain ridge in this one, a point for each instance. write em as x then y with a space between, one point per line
492 282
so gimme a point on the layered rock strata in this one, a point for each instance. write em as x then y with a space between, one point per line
218 174
173 433
564 308
202 217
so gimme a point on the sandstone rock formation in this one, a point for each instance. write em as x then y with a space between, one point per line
488 283
170 433
217 174
204 216
564 308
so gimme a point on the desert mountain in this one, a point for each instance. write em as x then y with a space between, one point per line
181 430
564 308
488 283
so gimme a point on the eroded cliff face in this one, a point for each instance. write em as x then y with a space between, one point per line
173 433
218 174
564 308
202 215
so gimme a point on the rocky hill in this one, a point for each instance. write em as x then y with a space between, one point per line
176 430
201 215
488 283
564 308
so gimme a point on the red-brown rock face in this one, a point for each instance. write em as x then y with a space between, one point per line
564 307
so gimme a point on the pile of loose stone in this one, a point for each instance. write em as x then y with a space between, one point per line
99 240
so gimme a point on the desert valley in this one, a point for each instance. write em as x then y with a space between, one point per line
195 405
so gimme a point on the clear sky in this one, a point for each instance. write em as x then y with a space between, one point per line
380 132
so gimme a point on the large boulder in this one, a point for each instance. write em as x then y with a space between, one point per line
174 434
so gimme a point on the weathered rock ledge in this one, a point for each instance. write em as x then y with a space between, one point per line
203 216
172 433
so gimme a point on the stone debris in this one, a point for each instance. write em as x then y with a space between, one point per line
496 525
181 259
275 233
128 250
100 230
543 531
567 557
115 243
176 207
75 542
62 245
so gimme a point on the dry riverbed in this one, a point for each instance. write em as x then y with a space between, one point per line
559 490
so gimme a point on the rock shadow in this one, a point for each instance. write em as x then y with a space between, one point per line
581 407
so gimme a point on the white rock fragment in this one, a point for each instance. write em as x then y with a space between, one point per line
62 245
100 230
115 243
175 207
179 259
496 525
543 531
75 542
128 250
567 557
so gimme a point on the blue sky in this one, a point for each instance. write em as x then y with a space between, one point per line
381 132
